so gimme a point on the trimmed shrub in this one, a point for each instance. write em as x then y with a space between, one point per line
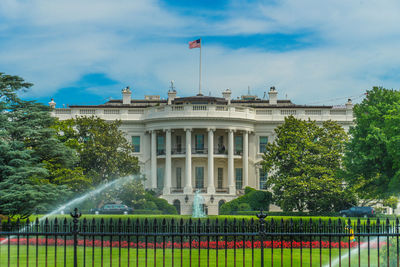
252 200
244 207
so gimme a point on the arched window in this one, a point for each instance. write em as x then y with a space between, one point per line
220 204
177 205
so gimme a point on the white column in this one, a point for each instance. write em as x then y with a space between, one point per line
188 167
153 160
245 159
211 187
231 180
167 176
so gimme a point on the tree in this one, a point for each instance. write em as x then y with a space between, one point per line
104 152
303 163
372 159
25 141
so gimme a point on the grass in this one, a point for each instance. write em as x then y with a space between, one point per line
112 256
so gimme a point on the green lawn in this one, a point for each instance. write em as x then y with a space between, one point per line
177 257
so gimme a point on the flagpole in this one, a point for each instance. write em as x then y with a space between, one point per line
200 69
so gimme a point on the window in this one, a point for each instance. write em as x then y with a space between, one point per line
221 146
199 142
178 177
263 178
179 144
199 177
263 143
160 178
239 178
220 177
238 144
136 143
160 145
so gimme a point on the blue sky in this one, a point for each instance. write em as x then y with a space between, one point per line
312 51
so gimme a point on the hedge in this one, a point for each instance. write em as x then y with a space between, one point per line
185 218
141 211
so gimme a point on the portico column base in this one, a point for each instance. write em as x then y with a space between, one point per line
188 190
211 190
232 190
166 190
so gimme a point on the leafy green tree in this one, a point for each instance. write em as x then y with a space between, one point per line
303 163
25 141
372 160
104 152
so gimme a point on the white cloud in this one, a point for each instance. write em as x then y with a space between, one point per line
54 43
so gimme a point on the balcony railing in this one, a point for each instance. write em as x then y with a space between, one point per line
221 151
176 190
201 190
178 150
200 150
222 190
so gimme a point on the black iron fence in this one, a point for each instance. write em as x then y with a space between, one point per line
199 242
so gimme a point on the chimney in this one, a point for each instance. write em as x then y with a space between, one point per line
227 95
349 104
52 104
273 96
171 93
126 96
171 96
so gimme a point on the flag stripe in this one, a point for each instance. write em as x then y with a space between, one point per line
195 44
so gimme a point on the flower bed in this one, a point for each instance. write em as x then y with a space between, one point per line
194 244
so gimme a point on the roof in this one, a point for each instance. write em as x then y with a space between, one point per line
198 99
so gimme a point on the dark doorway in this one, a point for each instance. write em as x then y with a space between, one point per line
177 205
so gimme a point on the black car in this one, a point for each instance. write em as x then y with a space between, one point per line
358 212
113 209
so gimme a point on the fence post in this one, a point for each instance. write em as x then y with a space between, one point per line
261 216
75 215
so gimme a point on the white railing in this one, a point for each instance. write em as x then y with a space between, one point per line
221 108
87 111
313 112
264 111
288 112
199 107
136 111
63 111
111 111
177 108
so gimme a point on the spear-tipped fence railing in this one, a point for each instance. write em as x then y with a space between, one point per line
199 242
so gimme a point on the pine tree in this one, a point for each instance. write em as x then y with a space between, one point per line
25 142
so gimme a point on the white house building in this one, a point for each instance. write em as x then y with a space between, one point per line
213 145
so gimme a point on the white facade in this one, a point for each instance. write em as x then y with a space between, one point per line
210 144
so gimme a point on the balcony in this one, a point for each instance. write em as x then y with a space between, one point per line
222 190
199 150
201 190
176 190
221 151
178 151
160 152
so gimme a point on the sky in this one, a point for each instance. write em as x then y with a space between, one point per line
312 51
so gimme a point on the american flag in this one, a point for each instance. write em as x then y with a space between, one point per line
195 44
